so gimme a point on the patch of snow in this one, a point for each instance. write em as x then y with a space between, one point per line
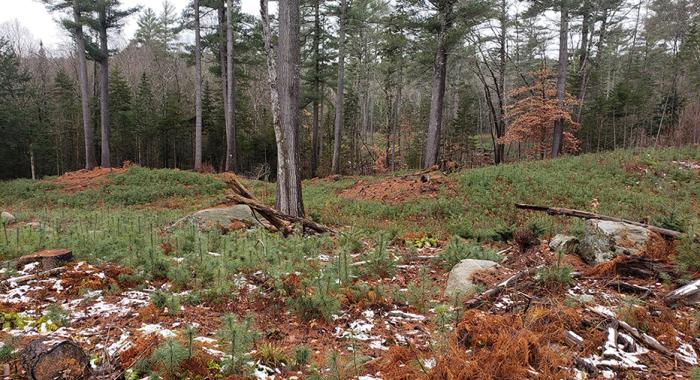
378 345
368 377
156 328
323 257
213 352
30 267
429 363
263 372
57 286
399 315
16 295
205 339
120 345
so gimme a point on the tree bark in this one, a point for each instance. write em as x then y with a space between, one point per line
315 141
339 116
90 161
288 89
437 100
557 140
197 90
231 148
104 89
501 89
274 102
221 15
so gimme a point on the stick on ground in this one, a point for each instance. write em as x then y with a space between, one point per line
590 215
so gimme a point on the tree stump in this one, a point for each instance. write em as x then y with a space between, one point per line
49 359
49 258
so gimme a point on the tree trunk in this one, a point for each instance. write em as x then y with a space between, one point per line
315 141
90 161
288 87
339 116
221 16
231 149
274 102
104 89
501 89
197 90
437 100
557 141
31 160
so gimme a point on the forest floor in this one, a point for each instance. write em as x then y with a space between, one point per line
367 303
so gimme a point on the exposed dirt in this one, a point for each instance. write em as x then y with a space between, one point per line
85 179
396 190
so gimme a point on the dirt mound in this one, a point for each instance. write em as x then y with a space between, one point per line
400 189
84 179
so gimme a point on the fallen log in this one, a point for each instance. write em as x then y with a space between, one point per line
644 338
590 215
494 291
22 279
238 189
48 359
266 210
642 267
688 294
630 288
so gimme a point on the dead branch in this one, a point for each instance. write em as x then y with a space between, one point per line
621 286
282 222
490 293
29 277
646 339
688 294
590 215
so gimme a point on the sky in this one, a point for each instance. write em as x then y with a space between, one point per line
44 26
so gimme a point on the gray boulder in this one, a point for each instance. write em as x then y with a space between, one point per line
460 280
7 218
563 243
221 216
604 240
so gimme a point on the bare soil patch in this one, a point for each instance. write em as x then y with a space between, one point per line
80 180
396 190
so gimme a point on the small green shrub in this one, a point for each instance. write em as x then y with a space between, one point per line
459 249
166 301
420 295
380 262
169 355
556 275
302 354
688 252
316 301
238 337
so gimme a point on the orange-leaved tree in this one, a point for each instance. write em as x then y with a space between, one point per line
536 109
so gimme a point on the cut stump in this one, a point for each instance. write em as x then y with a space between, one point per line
49 258
48 359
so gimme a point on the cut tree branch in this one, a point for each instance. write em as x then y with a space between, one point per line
590 215
282 222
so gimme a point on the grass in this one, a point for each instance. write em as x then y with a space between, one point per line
121 221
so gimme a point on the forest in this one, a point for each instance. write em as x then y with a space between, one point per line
383 85
350 189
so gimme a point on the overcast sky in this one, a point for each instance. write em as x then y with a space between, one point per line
44 26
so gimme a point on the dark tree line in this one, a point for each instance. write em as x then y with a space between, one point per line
342 86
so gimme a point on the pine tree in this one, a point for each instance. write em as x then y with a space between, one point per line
120 108
74 24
